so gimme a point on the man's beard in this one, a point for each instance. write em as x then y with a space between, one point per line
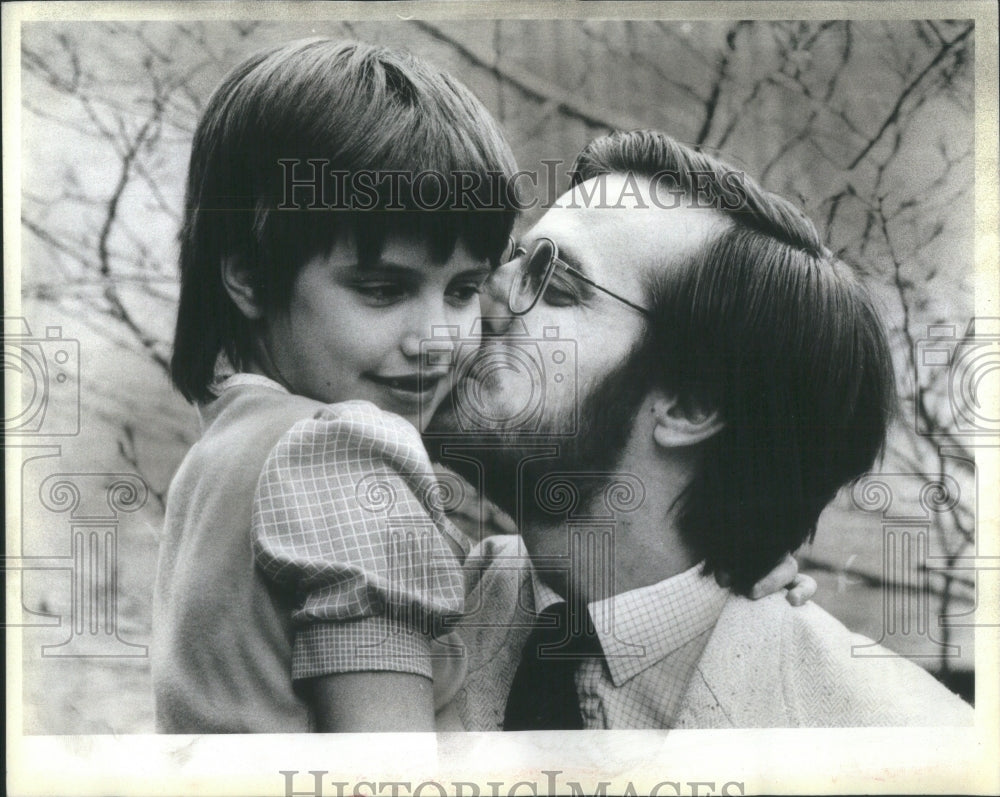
508 464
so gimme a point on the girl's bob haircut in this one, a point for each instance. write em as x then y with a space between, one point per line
314 140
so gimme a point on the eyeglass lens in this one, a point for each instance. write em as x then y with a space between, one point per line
531 280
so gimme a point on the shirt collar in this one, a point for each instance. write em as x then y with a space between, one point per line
225 375
641 627
242 380
209 411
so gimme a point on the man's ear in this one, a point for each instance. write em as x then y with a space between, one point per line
238 285
678 425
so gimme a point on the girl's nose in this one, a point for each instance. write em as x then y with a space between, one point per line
433 326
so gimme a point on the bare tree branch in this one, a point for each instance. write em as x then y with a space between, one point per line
583 110
907 91
721 73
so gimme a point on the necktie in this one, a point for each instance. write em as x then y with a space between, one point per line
543 694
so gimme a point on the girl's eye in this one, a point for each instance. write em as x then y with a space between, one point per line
465 292
381 293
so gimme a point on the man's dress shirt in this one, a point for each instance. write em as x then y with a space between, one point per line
685 653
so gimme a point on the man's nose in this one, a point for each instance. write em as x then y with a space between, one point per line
496 313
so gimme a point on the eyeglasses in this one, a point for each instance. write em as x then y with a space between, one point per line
536 272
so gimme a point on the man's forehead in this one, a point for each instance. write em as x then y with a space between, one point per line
614 218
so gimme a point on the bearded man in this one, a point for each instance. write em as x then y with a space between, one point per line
676 378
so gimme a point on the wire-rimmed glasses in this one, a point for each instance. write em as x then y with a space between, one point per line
536 272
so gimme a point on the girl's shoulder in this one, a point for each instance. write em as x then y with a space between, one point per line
249 399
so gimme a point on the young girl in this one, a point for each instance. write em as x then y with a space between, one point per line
307 285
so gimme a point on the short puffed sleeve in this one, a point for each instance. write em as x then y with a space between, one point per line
349 513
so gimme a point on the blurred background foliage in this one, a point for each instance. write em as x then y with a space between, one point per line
867 125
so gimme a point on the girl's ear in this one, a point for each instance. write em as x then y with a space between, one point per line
678 426
238 286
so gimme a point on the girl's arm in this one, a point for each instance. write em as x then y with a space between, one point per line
365 702
345 523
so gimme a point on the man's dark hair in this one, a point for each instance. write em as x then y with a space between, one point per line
350 108
766 327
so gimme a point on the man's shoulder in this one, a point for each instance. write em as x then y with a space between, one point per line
498 569
499 601
771 664
500 550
